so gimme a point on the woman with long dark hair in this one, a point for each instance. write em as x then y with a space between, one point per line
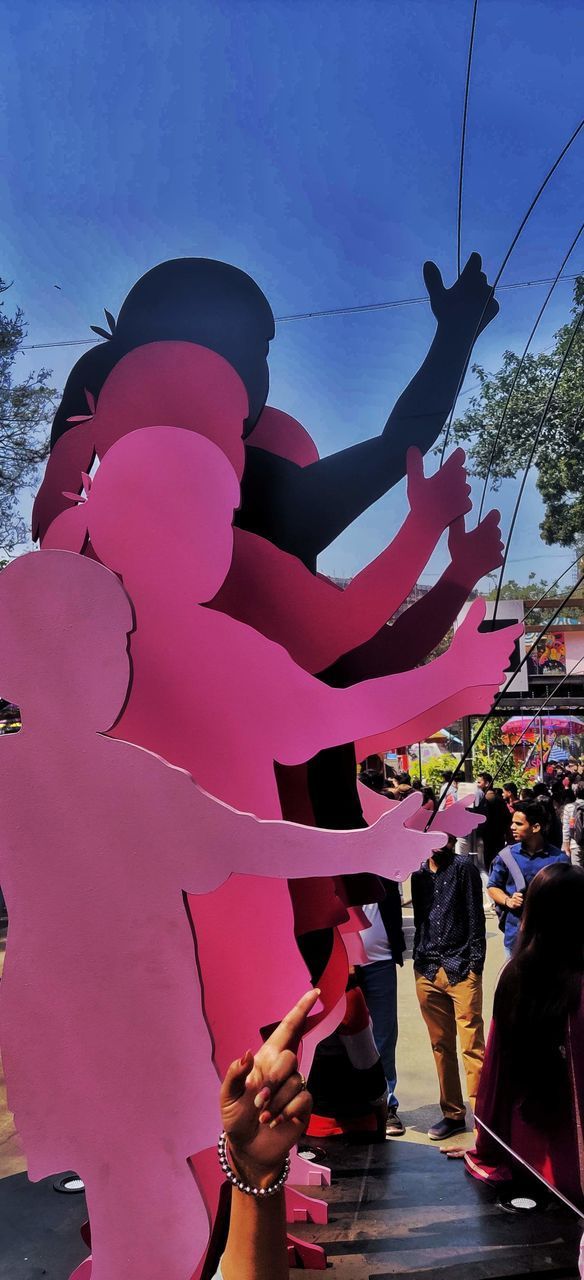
531 1093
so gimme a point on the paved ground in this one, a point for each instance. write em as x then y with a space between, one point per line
399 1209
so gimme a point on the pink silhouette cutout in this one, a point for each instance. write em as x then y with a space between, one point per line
105 1045
190 387
456 820
210 693
265 587
177 382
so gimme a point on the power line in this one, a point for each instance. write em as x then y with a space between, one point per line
532 453
502 692
363 308
516 237
463 136
520 365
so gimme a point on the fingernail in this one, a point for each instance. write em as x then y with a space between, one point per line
261 1097
276 1122
245 1057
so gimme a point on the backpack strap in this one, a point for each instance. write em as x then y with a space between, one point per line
513 867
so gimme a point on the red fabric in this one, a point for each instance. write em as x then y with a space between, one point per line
330 1127
356 1013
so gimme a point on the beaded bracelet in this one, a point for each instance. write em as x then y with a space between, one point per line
243 1186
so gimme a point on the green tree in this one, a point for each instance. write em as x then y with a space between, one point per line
490 752
26 408
559 457
512 590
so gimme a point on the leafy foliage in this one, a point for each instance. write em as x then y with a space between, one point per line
491 754
533 589
433 769
25 411
559 455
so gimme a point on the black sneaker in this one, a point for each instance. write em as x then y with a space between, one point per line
393 1125
446 1129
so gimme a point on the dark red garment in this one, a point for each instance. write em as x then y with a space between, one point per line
558 1154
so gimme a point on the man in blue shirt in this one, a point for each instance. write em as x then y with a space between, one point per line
530 854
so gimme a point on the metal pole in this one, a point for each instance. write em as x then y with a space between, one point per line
540 749
466 749
420 758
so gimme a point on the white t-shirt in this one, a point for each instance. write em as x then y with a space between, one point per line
375 941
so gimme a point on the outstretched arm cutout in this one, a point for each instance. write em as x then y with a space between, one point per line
279 849
396 704
422 626
315 503
315 620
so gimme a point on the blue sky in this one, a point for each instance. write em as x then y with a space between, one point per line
315 144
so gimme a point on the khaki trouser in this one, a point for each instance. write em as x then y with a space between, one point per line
446 1006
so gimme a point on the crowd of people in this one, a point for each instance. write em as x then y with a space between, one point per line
525 1086
523 836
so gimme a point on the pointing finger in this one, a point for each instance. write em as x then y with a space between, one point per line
288 1033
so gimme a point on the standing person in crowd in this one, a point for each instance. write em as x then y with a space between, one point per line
449 956
496 830
531 1092
513 869
384 946
573 826
510 794
449 792
526 793
429 801
560 796
483 783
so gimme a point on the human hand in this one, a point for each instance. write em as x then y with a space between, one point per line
441 498
469 305
482 657
475 552
514 901
265 1106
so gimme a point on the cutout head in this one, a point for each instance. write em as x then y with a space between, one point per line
64 642
160 512
208 302
195 300
177 383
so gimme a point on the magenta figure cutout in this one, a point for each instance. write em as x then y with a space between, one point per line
108 1059
113 417
316 620
190 387
175 382
267 587
456 820
159 512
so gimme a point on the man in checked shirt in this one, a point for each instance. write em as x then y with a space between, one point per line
449 956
